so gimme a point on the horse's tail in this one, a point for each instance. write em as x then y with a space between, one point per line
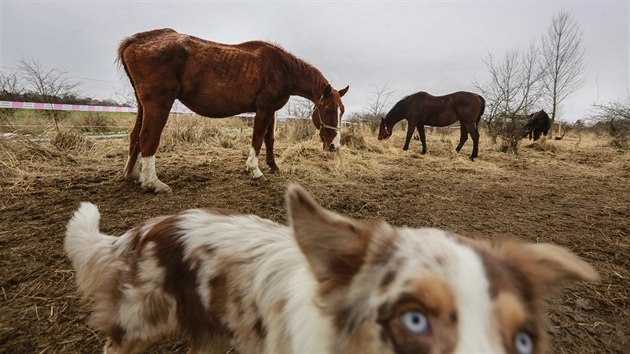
134 137
483 108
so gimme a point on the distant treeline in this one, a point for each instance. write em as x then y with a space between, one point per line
66 99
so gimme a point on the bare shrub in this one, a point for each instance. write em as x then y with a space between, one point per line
227 142
191 130
95 122
353 137
296 130
66 140
621 142
49 85
510 131
614 118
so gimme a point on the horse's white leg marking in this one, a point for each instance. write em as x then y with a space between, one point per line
148 177
135 173
252 164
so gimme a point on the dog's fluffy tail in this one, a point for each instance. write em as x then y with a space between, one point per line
90 251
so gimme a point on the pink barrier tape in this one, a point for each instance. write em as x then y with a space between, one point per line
107 109
77 107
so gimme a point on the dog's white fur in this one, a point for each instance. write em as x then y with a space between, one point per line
326 284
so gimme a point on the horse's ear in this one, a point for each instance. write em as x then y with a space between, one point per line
343 91
327 91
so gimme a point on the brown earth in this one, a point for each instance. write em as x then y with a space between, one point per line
574 193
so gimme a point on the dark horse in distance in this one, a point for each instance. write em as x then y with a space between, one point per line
218 80
422 109
537 123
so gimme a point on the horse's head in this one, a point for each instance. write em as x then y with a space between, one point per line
327 116
384 132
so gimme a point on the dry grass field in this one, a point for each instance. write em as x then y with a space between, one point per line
574 192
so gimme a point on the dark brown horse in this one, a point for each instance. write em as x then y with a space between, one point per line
537 123
218 80
422 109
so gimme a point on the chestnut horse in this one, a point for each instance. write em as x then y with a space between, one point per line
422 109
218 80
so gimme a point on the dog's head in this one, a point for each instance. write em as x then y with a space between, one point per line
403 290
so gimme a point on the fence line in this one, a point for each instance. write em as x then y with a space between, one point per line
110 109
79 107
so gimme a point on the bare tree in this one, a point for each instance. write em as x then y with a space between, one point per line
126 96
49 85
513 89
531 78
373 114
299 107
10 86
615 117
563 59
378 101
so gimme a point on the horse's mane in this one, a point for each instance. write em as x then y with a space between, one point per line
300 66
399 109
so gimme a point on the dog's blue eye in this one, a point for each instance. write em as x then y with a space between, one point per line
415 322
523 343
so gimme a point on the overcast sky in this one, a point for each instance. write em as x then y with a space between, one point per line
410 46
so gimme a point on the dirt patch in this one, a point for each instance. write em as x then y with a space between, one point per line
569 194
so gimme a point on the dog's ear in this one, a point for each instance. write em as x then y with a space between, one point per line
335 246
547 267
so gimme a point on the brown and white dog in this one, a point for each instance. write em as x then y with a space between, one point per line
325 284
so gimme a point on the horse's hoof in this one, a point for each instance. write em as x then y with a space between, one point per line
275 169
157 188
163 190
260 177
472 159
256 174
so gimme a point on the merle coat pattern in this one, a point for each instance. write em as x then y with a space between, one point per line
324 284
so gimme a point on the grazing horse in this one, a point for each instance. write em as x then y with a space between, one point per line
422 109
537 123
218 80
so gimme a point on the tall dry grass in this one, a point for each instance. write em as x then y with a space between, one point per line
22 160
298 150
295 130
196 130
40 123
